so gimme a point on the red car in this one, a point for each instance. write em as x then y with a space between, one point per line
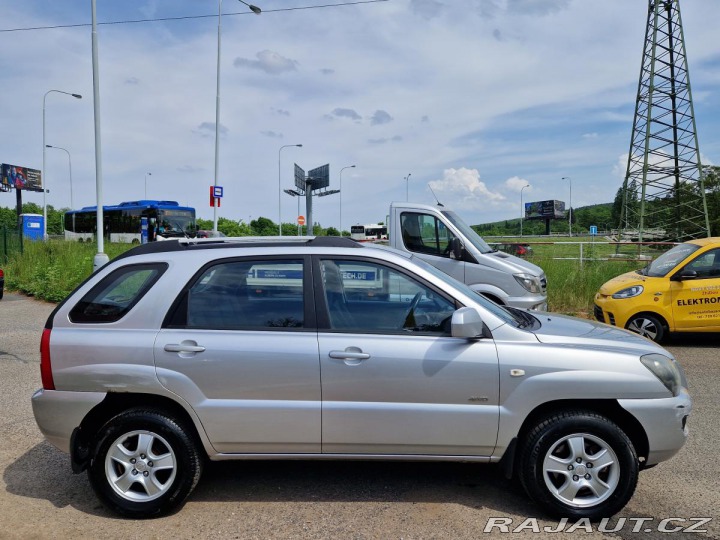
2 282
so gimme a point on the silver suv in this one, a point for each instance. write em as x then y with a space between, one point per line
324 348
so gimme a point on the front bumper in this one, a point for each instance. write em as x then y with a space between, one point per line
664 421
58 413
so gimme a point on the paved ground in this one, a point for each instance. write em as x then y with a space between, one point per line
41 498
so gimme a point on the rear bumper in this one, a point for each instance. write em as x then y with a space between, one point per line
664 421
58 413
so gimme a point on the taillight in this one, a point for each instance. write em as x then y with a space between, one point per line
45 368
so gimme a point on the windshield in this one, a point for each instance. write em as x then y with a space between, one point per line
467 231
665 263
176 223
499 311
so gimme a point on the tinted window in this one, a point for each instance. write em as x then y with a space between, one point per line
365 297
248 294
116 294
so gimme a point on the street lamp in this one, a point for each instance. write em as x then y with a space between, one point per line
407 178
146 175
72 206
44 184
341 170
256 10
570 210
522 208
279 186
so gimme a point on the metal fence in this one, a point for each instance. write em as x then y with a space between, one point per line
11 241
582 251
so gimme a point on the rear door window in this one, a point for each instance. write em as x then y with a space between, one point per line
248 294
116 294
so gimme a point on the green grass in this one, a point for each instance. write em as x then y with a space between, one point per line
50 271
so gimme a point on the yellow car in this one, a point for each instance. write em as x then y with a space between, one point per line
677 292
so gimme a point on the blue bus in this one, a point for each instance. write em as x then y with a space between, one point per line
166 219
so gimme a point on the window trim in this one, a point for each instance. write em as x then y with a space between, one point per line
323 316
176 316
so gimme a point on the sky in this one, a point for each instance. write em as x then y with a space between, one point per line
474 98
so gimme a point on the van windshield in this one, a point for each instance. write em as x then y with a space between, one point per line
467 231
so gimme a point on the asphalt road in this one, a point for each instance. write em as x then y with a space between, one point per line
42 498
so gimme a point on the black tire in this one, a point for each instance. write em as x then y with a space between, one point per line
143 436
608 470
648 325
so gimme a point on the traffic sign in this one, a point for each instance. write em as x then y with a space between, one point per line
301 220
217 192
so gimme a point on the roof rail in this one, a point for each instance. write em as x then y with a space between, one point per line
182 244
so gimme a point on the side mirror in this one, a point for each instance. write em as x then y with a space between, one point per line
466 323
456 249
685 275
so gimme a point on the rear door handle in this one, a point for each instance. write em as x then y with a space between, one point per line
184 347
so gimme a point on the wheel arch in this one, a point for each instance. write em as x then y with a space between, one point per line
82 446
609 408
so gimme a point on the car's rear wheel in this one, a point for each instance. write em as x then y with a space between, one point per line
146 464
579 465
647 325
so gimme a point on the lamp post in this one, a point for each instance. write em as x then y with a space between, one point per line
522 208
146 175
570 210
279 185
72 206
341 170
44 184
407 178
257 11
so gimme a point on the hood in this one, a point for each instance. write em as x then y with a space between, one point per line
514 264
623 281
559 329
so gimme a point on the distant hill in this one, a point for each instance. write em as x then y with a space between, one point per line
583 217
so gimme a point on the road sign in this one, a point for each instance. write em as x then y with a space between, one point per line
217 192
301 220
214 199
593 230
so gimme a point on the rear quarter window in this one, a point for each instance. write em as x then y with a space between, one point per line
116 294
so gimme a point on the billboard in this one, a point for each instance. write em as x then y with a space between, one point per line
299 178
545 210
14 176
320 177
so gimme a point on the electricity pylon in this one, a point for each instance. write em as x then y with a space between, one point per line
663 190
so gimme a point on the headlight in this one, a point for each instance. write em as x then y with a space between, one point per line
667 370
630 292
529 282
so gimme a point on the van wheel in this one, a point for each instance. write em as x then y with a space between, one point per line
647 325
578 464
145 465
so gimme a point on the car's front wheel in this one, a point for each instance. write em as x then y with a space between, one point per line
146 464
647 325
578 464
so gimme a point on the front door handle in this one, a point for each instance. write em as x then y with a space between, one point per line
184 347
348 355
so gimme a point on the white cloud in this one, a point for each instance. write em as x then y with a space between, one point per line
463 189
516 184
269 62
